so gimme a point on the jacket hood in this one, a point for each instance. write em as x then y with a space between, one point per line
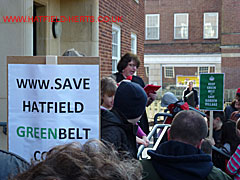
114 118
109 119
175 160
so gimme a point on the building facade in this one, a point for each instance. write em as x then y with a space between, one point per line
186 38
122 36
104 28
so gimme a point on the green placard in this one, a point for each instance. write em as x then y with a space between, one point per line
212 91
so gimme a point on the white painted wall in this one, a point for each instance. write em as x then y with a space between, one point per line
15 40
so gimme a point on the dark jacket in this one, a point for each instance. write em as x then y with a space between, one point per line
229 110
11 164
143 122
117 130
174 160
150 173
229 135
186 91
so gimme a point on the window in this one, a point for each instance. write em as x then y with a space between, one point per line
115 46
203 69
181 26
152 26
133 43
169 72
147 71
210 29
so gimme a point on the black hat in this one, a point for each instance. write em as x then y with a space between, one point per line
130 99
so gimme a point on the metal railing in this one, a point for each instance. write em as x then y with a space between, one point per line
221 151
150 135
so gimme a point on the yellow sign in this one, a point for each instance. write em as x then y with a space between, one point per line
183 81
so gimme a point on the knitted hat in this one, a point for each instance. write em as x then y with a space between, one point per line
168 98
130 99
238 91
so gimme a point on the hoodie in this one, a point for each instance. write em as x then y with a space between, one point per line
176 160
117 130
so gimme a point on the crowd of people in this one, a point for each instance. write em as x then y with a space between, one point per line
185 155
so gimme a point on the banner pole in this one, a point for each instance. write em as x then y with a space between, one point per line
211 125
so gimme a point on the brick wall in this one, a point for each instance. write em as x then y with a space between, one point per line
230 41
195 43
133 20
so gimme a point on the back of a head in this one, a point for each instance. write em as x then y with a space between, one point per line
93 160
188 127
130 99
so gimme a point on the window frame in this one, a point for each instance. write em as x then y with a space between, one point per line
217 24
146 27
165 72
203 67
117 29
175 26
134 49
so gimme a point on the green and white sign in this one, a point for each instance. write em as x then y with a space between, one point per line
212 91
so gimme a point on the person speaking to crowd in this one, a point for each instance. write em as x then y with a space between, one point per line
127 66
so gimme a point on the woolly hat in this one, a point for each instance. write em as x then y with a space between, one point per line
238 91
168 98
130 99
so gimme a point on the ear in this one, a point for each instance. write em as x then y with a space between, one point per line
168 134
200 144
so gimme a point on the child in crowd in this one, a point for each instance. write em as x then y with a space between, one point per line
108 90
206 146
233 166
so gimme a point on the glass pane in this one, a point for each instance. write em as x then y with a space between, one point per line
152 33
211 19
114 37
114 65
152 21
181 32
203 69
181 20
169 71
114 50
133 45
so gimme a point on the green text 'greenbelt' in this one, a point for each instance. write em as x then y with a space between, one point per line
53 133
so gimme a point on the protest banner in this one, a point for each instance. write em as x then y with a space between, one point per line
211 95
49 104
212 91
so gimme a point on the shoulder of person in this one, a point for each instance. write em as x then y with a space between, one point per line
108 118
138 80
217 173
149 173
11 164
